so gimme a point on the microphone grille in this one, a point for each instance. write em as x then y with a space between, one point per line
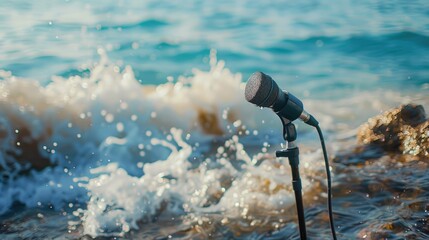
261 90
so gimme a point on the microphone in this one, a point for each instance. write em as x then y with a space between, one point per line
263 91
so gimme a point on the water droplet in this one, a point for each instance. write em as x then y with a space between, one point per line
124 105
109 118
225 114
319 43
220 150
120 127
237 123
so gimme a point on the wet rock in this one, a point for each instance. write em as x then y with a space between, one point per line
209 123
29 151
404 129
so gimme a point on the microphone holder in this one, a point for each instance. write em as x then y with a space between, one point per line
292 153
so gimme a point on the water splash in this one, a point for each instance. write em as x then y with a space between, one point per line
79 123
120 202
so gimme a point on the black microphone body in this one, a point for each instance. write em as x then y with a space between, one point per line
263 91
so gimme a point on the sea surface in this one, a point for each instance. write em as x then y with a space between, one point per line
127 119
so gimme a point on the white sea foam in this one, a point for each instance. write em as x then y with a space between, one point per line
81 123
119 201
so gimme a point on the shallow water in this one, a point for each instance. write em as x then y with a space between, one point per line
148 134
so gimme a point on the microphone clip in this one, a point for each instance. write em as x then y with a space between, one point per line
289 130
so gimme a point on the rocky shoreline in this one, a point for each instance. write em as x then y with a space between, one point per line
402 130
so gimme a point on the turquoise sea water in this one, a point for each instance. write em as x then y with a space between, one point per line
313 45
138 109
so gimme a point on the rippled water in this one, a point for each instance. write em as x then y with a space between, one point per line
138 109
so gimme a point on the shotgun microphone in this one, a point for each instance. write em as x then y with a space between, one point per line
263 91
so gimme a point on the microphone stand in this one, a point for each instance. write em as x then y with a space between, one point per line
292 153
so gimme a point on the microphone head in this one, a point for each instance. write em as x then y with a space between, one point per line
261 90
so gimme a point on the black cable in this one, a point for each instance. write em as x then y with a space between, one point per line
328 175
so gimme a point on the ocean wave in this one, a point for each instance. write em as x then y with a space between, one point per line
83 122
149 24
355 43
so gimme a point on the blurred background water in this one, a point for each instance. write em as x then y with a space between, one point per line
359 57
317 46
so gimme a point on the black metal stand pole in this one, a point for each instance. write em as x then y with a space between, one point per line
292 153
